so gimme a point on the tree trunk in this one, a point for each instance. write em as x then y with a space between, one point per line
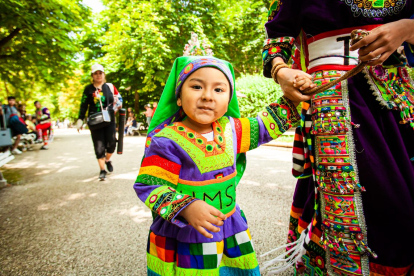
136 102
8 38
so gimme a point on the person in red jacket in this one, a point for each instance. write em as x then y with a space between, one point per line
43 123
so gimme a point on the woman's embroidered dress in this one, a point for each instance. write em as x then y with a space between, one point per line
354 152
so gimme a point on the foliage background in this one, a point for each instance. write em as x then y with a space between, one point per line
38 48
54 43
259 91
48 46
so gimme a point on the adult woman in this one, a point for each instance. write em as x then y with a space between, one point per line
104 140
353 150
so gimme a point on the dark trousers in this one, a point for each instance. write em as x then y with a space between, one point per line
104 140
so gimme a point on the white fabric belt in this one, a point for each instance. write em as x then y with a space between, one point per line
321 51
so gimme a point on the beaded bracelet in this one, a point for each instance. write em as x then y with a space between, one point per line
276 68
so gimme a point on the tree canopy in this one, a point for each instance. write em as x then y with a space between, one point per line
141 39
38 46
38 39
43 43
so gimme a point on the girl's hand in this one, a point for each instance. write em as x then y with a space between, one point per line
303 82
384 40
286 78
202 216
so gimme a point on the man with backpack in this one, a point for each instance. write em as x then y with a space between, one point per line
14 123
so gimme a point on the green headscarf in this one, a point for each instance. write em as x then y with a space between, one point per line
168 111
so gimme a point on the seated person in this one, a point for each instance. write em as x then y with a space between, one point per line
13 122
127 125
31 126
133 126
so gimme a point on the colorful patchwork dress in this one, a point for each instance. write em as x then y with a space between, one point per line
181 166
354 151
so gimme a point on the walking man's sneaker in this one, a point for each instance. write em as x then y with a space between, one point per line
109 166
102 175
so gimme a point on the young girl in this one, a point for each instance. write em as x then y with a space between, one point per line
194 159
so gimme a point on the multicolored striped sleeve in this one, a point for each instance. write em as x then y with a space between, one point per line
302 145
274 121
157 181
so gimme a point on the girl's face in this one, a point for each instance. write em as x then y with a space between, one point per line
205 96
98 76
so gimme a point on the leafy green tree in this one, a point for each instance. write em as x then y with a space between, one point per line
142 38
259 92
38 40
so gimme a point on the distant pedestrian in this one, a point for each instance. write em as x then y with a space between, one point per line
154 105
96 97
148 113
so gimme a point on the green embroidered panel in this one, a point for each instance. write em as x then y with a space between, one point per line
199 156
152 180
222 195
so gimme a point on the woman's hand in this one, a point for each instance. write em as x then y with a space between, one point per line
79 124
202 216
384 40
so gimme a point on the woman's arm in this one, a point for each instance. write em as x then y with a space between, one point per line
384 40
283 26
276 119
84 104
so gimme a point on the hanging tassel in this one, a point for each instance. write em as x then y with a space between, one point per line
296 253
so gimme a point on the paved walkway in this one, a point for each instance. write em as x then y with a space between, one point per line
57 219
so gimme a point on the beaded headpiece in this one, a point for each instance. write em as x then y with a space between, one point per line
195 48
